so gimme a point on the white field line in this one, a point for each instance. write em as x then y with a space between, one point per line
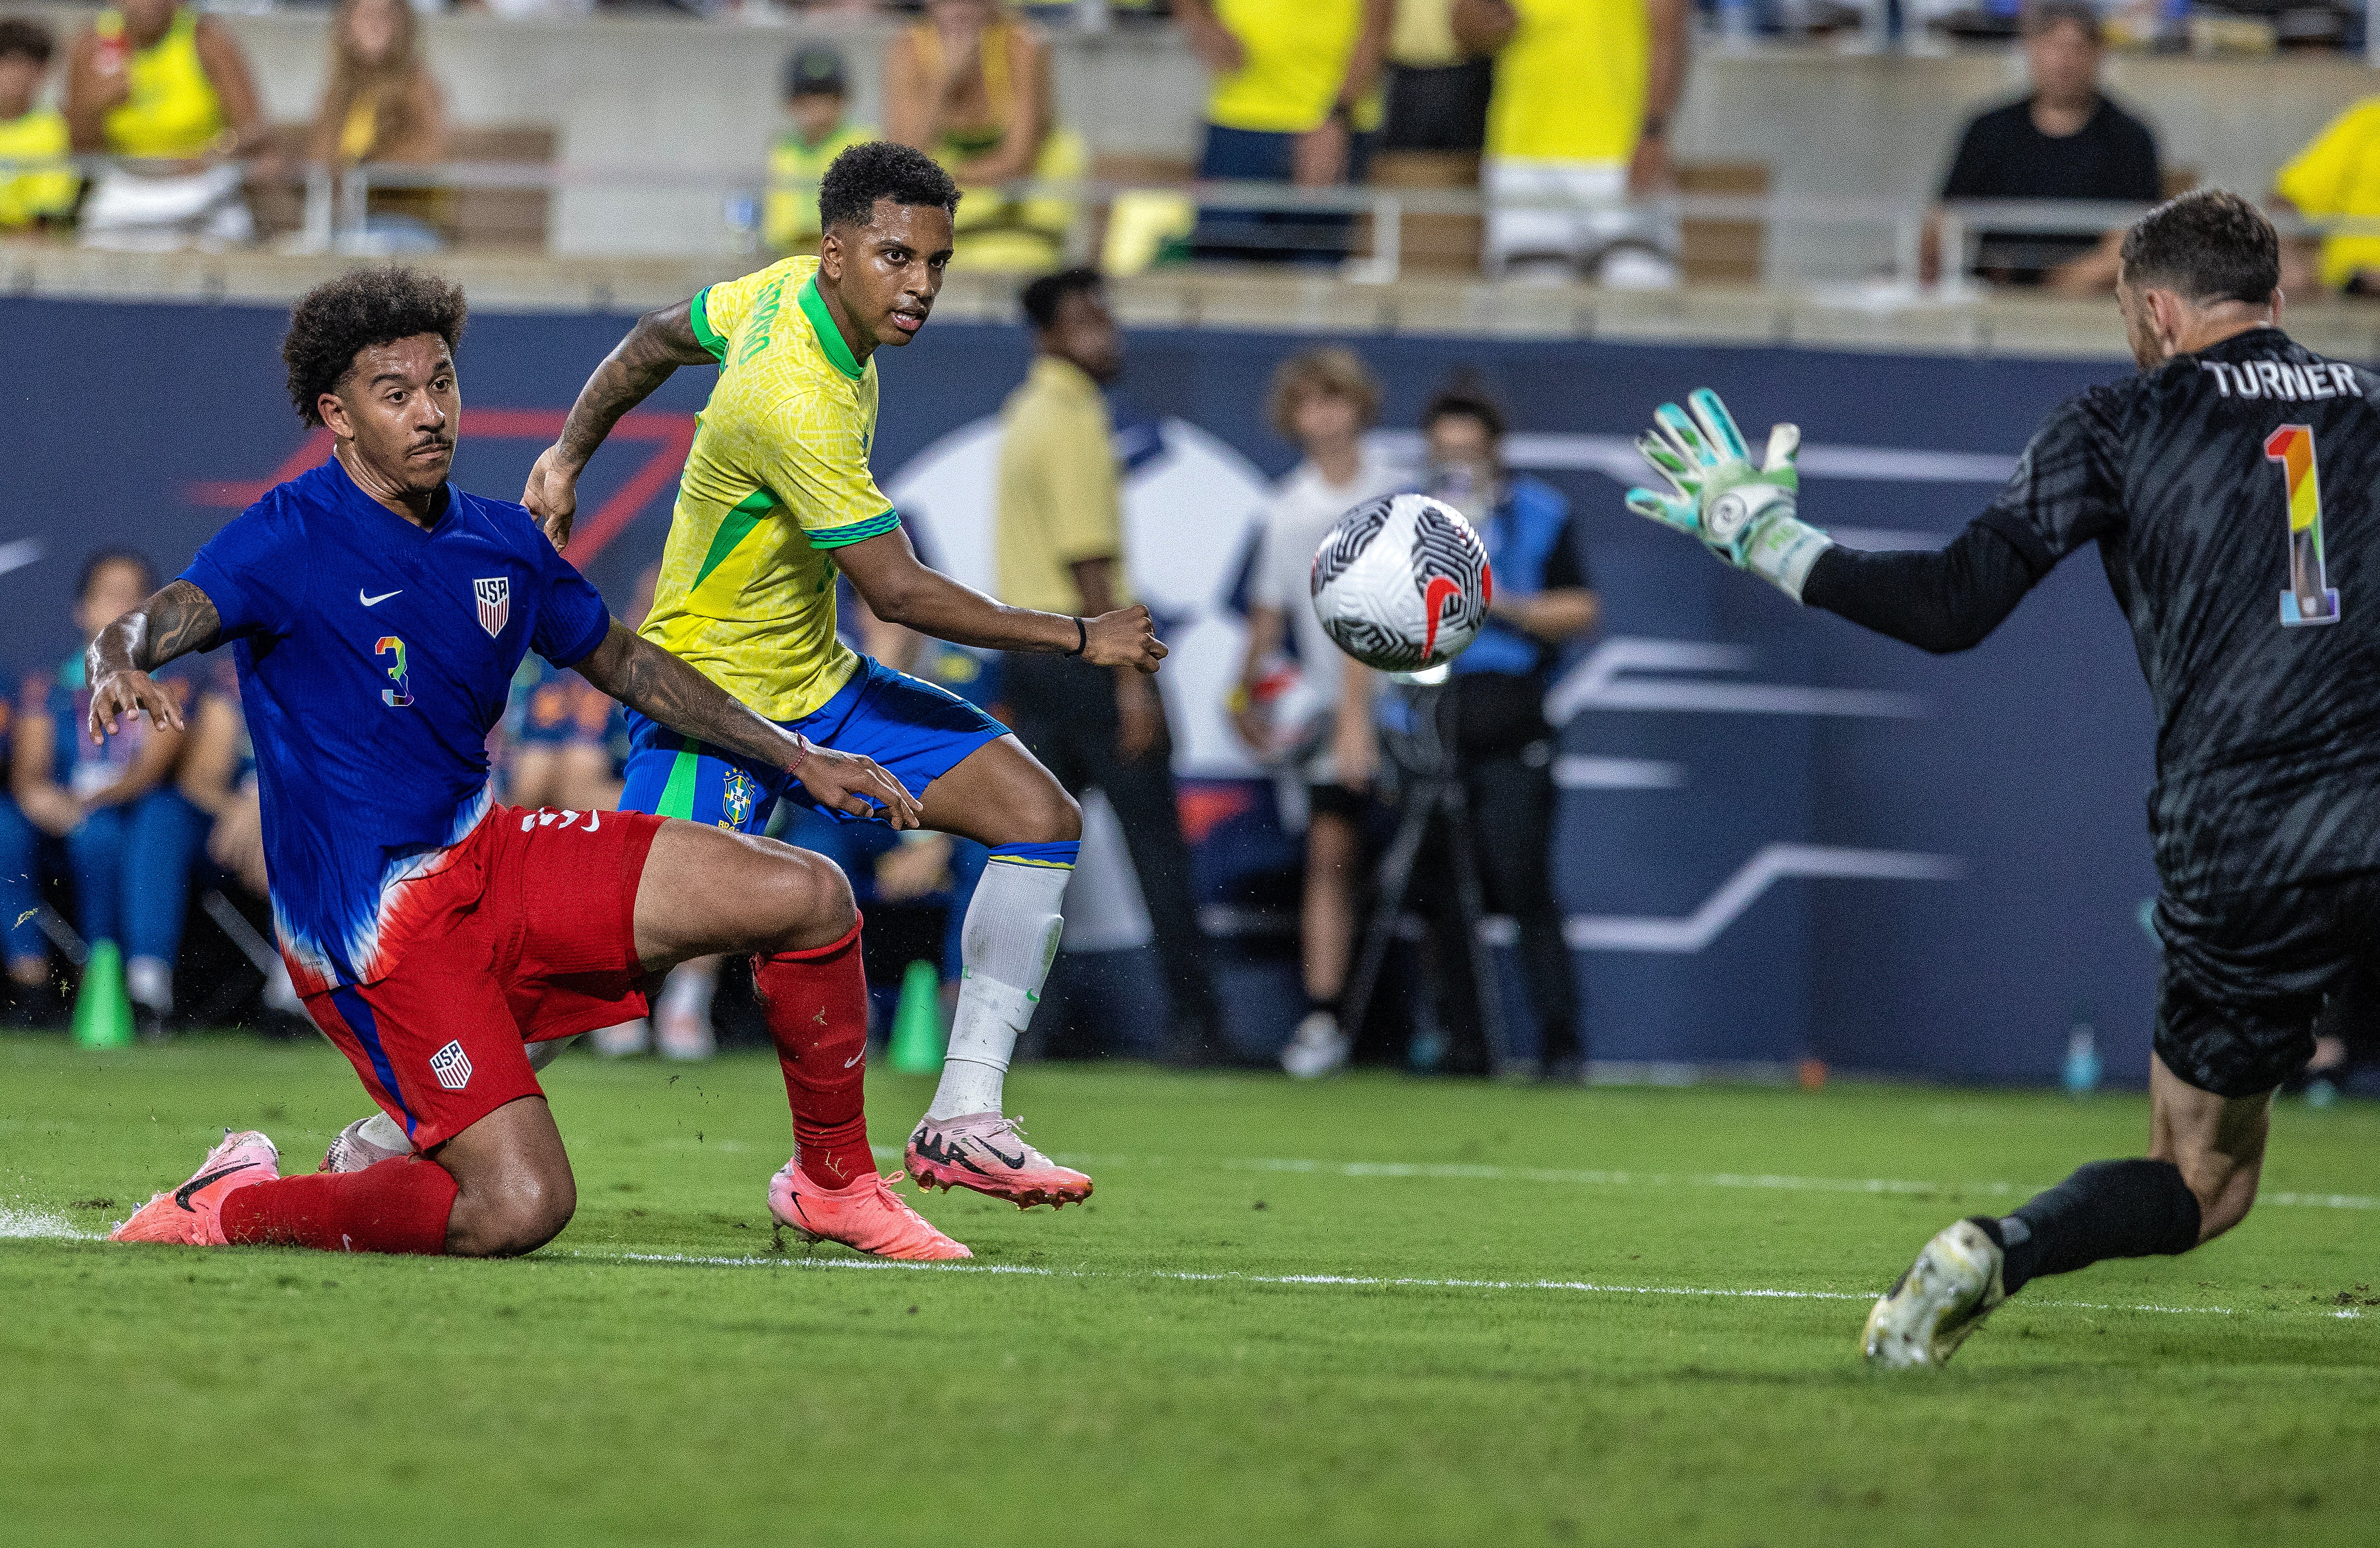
1335 1281
1470 1172
22 1224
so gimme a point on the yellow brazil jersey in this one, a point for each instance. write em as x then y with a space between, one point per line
1570 85
1296 60
173 109
777 481
2339 174
26 195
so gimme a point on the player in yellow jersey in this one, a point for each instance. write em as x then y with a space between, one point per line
776 498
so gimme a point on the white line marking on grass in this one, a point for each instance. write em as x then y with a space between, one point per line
1361 1281
1465 1171
19 1224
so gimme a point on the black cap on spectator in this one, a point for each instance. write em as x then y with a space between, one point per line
25 37
2040 15
816 72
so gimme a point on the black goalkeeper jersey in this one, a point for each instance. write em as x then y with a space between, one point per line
2232 495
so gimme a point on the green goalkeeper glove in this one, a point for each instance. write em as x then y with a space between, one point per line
1743 513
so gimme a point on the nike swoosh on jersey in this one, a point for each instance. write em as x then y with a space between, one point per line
375 602
182 1194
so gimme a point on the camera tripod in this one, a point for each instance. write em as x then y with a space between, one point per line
1430 792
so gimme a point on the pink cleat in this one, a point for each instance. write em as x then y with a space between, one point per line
365 1142
866 1215
192 1213
988 1154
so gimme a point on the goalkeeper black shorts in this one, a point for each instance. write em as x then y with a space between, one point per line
2246 974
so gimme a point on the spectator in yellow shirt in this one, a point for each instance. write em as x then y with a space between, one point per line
818 95
1584 91
2339 174
28 133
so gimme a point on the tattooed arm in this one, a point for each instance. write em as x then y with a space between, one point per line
655 684
660 343
172 623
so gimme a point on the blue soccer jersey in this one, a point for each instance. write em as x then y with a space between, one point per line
374 657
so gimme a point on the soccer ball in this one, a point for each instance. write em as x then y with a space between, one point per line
1401 584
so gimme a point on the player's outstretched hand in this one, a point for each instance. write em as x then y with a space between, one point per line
858 785
132 693
552 497
1743 513
1125 637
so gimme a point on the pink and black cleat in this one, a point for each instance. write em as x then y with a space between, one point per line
192 1213
988 1154
864 1214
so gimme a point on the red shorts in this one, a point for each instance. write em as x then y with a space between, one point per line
547 949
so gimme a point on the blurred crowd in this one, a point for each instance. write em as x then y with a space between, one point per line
1562 112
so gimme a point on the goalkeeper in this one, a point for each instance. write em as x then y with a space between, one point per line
2199 481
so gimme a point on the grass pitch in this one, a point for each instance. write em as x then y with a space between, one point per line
1369 1310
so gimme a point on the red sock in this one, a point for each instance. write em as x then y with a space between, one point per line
398 1205
816 1006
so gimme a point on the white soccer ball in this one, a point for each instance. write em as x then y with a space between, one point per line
1403 584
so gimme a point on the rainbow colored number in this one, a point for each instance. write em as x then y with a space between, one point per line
401 694
2310 599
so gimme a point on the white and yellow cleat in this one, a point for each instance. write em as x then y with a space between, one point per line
1944 1296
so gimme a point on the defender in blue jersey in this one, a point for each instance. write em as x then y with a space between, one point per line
377 614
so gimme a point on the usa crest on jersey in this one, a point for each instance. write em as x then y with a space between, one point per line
495 602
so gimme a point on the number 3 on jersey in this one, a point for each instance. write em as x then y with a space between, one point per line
2310 599
401 694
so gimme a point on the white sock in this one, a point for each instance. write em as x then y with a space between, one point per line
382 1130
280 994
689 992
149 981
1006 946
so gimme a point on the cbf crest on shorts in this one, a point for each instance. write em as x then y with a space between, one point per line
452 1066
495 602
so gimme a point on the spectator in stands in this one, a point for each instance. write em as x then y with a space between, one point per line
1544 599
155 80
31 1001
1437 91
2338 175
1585 93
970 86
1294 100
131 837
380 104
818 95
2065 138
1059 543
218 777
1315 716
30 132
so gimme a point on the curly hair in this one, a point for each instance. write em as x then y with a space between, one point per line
335 322
881 169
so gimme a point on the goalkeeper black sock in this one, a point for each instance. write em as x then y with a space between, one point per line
2107 1209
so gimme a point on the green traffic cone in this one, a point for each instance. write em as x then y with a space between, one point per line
103 1013
917 1035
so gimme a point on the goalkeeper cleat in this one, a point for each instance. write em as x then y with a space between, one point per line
368 1141
867 1216
988 1154
1944 1296
192 1213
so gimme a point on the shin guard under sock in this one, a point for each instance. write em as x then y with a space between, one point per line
2107 1209
816 1003
1006 944
394 1206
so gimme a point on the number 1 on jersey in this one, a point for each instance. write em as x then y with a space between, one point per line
2310 599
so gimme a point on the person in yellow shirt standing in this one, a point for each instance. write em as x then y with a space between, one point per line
1585 93
1295 96
776 501
155 81
30 135
818 93
2339 174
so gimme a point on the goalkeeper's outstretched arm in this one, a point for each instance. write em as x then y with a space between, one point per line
1938 600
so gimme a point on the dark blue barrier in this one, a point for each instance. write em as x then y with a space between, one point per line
1821 843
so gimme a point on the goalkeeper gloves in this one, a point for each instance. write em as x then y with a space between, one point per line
1743 513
